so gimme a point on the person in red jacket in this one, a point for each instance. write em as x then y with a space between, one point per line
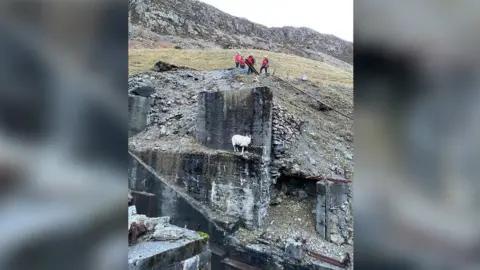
265 65
242 63
251 61
237 59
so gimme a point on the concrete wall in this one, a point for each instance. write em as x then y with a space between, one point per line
231 184
181 210
224 114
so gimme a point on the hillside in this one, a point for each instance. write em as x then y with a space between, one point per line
193 24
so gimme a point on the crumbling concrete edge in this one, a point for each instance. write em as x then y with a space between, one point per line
180 254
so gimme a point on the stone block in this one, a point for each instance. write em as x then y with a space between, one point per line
176 253
294 249
138 110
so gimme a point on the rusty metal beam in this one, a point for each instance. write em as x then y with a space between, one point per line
344 263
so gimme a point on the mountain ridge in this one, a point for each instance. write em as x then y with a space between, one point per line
209 27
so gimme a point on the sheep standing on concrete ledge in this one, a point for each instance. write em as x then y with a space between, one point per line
242 141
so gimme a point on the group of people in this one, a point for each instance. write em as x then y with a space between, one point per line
240 62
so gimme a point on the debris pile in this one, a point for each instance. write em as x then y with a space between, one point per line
285 131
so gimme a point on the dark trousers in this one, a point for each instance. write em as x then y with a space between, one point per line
262 69
249 70
242 66
236 64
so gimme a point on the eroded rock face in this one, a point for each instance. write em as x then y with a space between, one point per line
198 20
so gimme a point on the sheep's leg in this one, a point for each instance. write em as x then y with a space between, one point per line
242 149
234 148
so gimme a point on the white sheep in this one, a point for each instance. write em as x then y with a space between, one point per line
242 141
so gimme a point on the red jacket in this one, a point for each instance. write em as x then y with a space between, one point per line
265 62
251 60
237 58
242 61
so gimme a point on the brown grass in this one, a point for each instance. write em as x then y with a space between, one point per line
285 65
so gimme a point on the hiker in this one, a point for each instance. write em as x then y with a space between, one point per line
251 61
264 65
242 63
237 59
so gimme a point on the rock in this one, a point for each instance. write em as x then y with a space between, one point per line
301 194
337 239
144 91
294 249
163 130
167 233
276 201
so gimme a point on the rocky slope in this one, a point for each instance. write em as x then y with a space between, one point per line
306 141
185 21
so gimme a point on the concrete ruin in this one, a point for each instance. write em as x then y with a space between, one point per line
200 183
164 246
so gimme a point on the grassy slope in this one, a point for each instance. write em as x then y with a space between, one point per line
285 65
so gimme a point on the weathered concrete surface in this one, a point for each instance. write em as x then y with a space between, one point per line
190 252
233 184
224 114
334 215
320 209
138 109
181 208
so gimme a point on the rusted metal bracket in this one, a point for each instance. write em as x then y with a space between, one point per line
344 263
135 231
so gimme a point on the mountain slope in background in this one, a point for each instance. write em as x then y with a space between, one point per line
194 24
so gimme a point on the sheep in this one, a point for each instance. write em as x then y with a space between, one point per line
242 141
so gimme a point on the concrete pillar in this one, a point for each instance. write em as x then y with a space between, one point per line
333 211
321 212
138 109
